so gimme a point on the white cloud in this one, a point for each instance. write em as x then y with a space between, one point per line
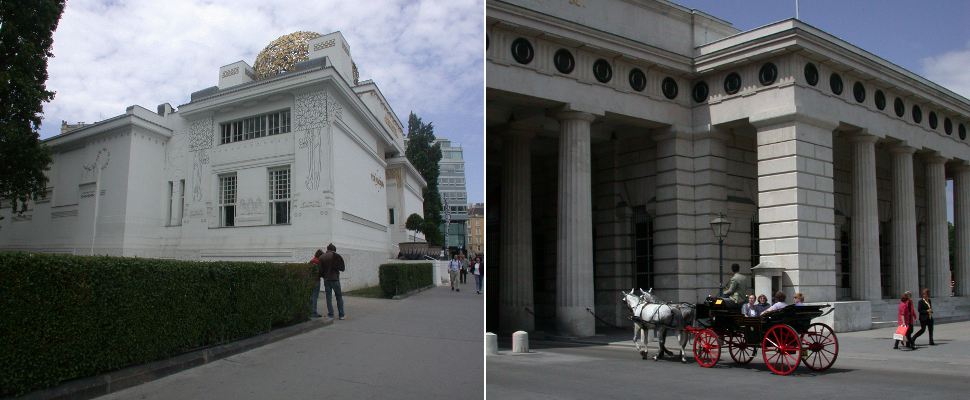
950 70
425 55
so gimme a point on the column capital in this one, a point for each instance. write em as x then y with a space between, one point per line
711 132
763 122
567 115
520 131
960 167
901 149
934 158
863 138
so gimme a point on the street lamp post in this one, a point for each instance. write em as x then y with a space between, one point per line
721 226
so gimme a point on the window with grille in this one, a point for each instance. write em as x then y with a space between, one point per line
253 127
643 248
227 200
279 196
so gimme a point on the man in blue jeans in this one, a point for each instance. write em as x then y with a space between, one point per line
331 264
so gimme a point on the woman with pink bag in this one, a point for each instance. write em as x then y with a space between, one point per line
905 318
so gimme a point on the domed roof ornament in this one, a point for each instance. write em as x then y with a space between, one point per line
283 53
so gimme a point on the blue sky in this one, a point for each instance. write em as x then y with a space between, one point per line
929 38
425 55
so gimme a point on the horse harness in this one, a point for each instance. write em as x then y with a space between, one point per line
643 304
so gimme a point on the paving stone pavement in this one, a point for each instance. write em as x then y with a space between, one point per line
427 346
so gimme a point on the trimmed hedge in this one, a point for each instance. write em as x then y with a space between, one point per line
402 278
64 317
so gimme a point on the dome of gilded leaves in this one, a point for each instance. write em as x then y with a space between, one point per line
283 53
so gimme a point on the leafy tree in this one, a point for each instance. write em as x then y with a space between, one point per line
424 154
414 223
26 36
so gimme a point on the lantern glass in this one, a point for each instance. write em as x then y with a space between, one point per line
720 226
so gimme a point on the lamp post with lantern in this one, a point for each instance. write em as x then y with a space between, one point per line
720 226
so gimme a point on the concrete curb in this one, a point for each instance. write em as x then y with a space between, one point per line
412 293
100 385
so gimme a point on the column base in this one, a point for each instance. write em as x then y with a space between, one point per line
575 321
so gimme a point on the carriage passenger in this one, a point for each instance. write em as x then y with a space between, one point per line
750 309
762 304
779 299
799 299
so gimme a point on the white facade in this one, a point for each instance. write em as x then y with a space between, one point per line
269 169
616 133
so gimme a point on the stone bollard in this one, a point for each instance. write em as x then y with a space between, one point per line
520 342
491 343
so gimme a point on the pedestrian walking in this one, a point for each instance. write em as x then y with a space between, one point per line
331 265
925 308
464 268
316 287
905 317
477 268
453 266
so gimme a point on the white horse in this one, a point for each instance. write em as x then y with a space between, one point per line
649 311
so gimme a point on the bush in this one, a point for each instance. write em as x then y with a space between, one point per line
402 278
64 317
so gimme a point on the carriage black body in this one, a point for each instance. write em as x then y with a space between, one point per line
787 337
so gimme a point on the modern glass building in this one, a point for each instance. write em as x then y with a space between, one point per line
454 197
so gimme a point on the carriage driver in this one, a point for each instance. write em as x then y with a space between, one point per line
739 285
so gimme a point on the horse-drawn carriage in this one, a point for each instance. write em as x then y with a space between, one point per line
786 337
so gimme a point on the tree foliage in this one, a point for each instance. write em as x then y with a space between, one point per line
26 36
424 154
414 223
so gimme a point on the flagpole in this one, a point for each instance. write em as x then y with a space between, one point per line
796 9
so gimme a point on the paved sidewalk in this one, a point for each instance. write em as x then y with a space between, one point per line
427 346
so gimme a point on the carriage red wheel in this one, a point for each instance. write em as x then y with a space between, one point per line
707 348
820 347
781 349
741 351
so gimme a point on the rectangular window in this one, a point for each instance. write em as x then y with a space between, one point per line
390 215
285 121
279 196
168 208
227 200
226 136
237 131
254 127
181 201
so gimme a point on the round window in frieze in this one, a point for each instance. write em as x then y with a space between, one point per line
899 107
962 131
564 61
638 80
768 74
835 83
932 120
602 70
669 88
700 92
811 74
732 83
522 51
880 99
859 92
917 114
947 126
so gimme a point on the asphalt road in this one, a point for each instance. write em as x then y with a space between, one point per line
427 346
867 368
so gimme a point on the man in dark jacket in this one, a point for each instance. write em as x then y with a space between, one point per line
331 264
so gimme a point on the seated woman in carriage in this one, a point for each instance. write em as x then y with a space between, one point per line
779 303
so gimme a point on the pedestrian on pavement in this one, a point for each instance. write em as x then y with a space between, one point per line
316 287
464 268
925 315
331 265
749 309
477 272
905 317
762 304
453 266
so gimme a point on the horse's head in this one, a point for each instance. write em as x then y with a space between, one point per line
648 296
630 299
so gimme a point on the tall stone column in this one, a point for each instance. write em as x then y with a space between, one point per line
796 204
905 272
515 267
574 248
961 217
865 220
937 235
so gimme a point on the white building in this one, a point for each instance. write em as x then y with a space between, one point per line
616 132
273 163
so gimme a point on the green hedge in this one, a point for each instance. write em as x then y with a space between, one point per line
402 278
65 317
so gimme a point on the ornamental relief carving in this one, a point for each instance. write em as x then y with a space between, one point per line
312 112
200 141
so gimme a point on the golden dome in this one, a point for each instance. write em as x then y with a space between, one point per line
283 53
